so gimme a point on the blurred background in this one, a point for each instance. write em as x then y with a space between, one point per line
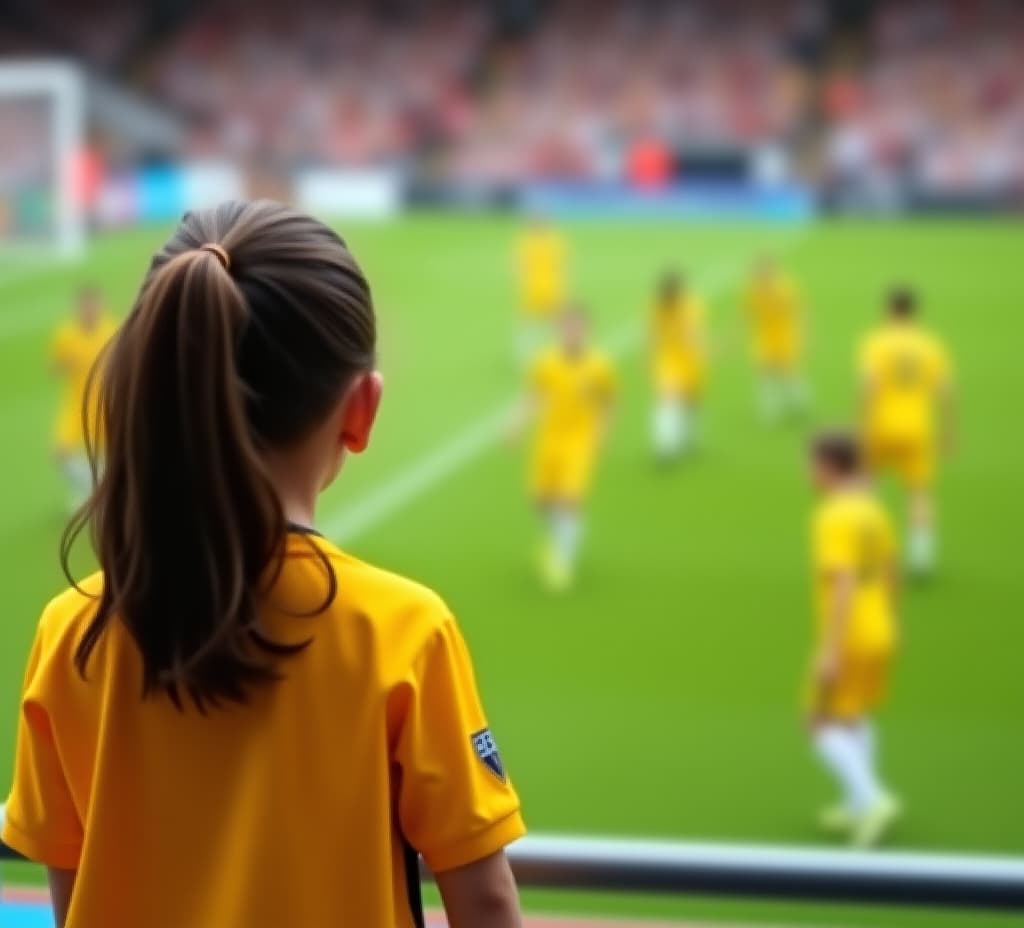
857 106
862 143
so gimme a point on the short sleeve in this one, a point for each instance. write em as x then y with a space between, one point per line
41 820
455 803
835 544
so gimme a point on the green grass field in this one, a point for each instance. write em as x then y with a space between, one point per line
660 697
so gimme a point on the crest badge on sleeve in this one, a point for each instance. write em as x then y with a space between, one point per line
487 751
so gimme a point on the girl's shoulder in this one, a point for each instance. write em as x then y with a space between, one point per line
67 610
389 601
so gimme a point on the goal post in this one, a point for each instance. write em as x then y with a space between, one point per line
42 125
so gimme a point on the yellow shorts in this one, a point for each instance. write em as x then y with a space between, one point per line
68 436
858 690
561 473
541 300
913 462
782 357
675 378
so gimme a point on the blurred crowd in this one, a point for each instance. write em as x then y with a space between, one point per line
867 100
936 106
484 93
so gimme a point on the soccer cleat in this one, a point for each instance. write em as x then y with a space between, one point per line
837 819
872 826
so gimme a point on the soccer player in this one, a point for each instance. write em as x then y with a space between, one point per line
907 413
236 723
76 346
772 301
571 390
678 365
541 264
855 589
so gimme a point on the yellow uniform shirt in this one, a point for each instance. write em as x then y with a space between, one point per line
773 309
291 810
573 394
678 341
541 256
75 351
853 533
905 368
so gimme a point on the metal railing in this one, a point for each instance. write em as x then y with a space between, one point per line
770 872
891 877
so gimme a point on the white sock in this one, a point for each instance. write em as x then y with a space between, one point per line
769 399
566 531
921 548
663 428
668 427
867 740
79 475
796 393
840 749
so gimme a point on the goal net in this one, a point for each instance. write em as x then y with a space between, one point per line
41 145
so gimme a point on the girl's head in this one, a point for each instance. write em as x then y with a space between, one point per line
670 287
247 359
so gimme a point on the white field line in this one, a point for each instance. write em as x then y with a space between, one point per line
354 519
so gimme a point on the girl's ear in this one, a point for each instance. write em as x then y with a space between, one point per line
359 411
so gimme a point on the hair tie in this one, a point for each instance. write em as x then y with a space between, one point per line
220 252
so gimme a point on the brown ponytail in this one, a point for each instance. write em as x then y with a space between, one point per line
231 349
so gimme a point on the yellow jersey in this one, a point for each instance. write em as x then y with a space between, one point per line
297 808
773 310
74 351
574 394
678 344
905 368
853 533
542 256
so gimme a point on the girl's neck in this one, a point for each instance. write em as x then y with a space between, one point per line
299 514
297 491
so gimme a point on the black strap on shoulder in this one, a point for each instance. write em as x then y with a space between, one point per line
412 884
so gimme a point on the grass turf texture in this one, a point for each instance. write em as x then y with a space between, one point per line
661 696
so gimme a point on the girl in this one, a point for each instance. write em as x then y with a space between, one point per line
234 723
